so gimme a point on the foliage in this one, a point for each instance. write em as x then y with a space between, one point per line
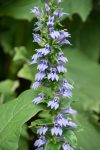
16 75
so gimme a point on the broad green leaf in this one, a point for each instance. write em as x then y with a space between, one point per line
20 54
27 72
86 75
19 9
81 7
90 38
54 146
7 89
23 141
41 122
89 138
71 138
13 115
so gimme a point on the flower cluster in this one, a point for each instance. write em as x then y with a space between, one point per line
50 62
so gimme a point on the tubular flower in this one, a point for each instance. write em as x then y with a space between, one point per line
56 89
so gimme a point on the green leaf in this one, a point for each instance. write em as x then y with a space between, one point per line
89 38
41 122
71 138
81 7
54 146
27 72
19 9
23 141
13 115
86 75
7 89
20 54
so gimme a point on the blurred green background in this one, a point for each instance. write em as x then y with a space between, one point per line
16 75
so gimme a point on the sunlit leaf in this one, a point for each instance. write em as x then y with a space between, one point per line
13 115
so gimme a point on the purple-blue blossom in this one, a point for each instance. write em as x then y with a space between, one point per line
61 58
71 124
64 34
54 34
47 8
61 68
42 130
53 75
64 41
36 84
66 146
44 51
64 92
67 85
61 121
37 38
40 148
69 111
50 22
36 11
57 130
38 99
42 65
36 56
39 76
61 14
56 13
41 141
54 104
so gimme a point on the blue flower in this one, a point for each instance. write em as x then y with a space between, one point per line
69 111
40 142
59 13
37 38
54 104
57 130
64 34
50 22
67 85
47 8
54 34
44 51
38 100
34 59
64 122
66 146
37 23
43 64
36 11
36 85
64 92
40 148
61 68
56 13
36 56
61 58
70 123
64 41
61 121
52 75
39 76
42 130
